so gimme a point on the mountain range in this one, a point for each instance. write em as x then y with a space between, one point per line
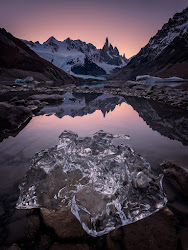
165 55
17 60
78 57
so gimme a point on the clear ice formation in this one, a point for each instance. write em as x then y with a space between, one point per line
104 185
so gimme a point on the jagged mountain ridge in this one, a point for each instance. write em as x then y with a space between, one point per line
165 55
18 60
71 54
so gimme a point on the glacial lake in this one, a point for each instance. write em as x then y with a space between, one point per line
157 132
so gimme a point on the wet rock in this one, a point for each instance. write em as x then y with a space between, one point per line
54 98
13 247
64 223
58 246
33 107
34 102
157 231
19 102
178 174
183 236
32 226
114 239
12 117
28 225
45 242
15 98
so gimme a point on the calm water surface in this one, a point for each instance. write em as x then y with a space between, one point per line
157 132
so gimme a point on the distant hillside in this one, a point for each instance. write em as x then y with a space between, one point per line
165 55
17 60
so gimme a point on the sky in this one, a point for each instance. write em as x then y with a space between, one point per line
129 24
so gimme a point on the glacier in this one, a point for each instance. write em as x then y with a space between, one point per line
69 53
105 185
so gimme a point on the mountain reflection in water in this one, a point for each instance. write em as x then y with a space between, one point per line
167 120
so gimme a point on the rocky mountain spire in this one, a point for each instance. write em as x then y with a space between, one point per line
111 55
106 43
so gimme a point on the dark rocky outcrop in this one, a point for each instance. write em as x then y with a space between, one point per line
17 60
61 230
12 117
111 55
178 175
165 55
64 223
155 232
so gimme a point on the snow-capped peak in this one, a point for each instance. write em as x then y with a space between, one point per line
70 53
175 27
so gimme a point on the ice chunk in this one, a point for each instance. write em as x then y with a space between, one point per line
147 79
105 186
18 80
28 79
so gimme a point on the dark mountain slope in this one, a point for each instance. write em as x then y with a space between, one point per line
18 60
165 55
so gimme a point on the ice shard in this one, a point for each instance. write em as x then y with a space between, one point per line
105 185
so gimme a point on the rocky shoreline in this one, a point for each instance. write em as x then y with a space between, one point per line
175 96
33 99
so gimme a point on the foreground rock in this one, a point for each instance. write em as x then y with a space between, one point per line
158 231
154 232
177 174
64 223
28 223
58 246
12 117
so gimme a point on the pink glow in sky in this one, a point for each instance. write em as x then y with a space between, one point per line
128 24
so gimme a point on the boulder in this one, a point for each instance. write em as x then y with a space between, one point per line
183 235
64 223
23 226
176 173
58 246
13 247
114 239
154 232
12 117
